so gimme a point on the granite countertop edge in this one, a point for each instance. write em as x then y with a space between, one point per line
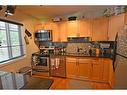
79 55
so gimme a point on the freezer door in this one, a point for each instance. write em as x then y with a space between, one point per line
120 73
122 43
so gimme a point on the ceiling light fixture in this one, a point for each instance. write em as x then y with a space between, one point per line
10 10
72 18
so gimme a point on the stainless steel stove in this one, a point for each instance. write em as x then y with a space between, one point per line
40 62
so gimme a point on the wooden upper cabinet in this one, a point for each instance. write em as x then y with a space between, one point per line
72 28
38 27
85 28
125 18
115 25
41 26
63 31
100 29
55 32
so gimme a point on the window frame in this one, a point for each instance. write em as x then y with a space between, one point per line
9 45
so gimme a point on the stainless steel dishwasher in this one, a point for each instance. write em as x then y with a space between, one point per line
58 66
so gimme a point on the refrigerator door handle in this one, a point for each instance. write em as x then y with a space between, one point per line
114 54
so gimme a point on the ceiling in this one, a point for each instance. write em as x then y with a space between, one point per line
46 12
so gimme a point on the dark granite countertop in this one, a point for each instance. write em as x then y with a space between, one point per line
82 55
77 55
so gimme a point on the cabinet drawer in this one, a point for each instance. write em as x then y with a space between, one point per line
83 60
71 59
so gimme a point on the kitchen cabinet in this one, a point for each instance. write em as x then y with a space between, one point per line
84 68
58 66
63 31
100 29
111 73
85 28
100 69
78 68
45 25
115 25
84 65
72 28
71 67
125 18
96 70
55 32
106 69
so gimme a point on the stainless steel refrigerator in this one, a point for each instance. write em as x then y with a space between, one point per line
120 60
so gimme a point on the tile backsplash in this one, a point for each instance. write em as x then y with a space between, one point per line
72 47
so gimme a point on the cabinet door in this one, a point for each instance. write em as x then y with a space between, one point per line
63 31
85 28
111 74
45 25
96 70
84 68
115 25
55 32
106 64
107 70
125 18
71 67
72 28
100 29
38 27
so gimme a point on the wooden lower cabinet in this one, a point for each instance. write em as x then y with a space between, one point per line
84 68
100 69
71 67
93 69
96 70
78 68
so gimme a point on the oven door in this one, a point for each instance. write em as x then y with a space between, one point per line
43 63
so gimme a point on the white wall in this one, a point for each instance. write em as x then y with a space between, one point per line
30 48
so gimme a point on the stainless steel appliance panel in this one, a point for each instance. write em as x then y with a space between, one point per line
58 66
120 73
120 60
122 43
43 35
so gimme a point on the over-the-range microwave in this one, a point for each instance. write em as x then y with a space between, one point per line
43 35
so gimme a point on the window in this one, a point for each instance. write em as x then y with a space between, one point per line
11 46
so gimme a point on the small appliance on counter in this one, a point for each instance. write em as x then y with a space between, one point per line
106 48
